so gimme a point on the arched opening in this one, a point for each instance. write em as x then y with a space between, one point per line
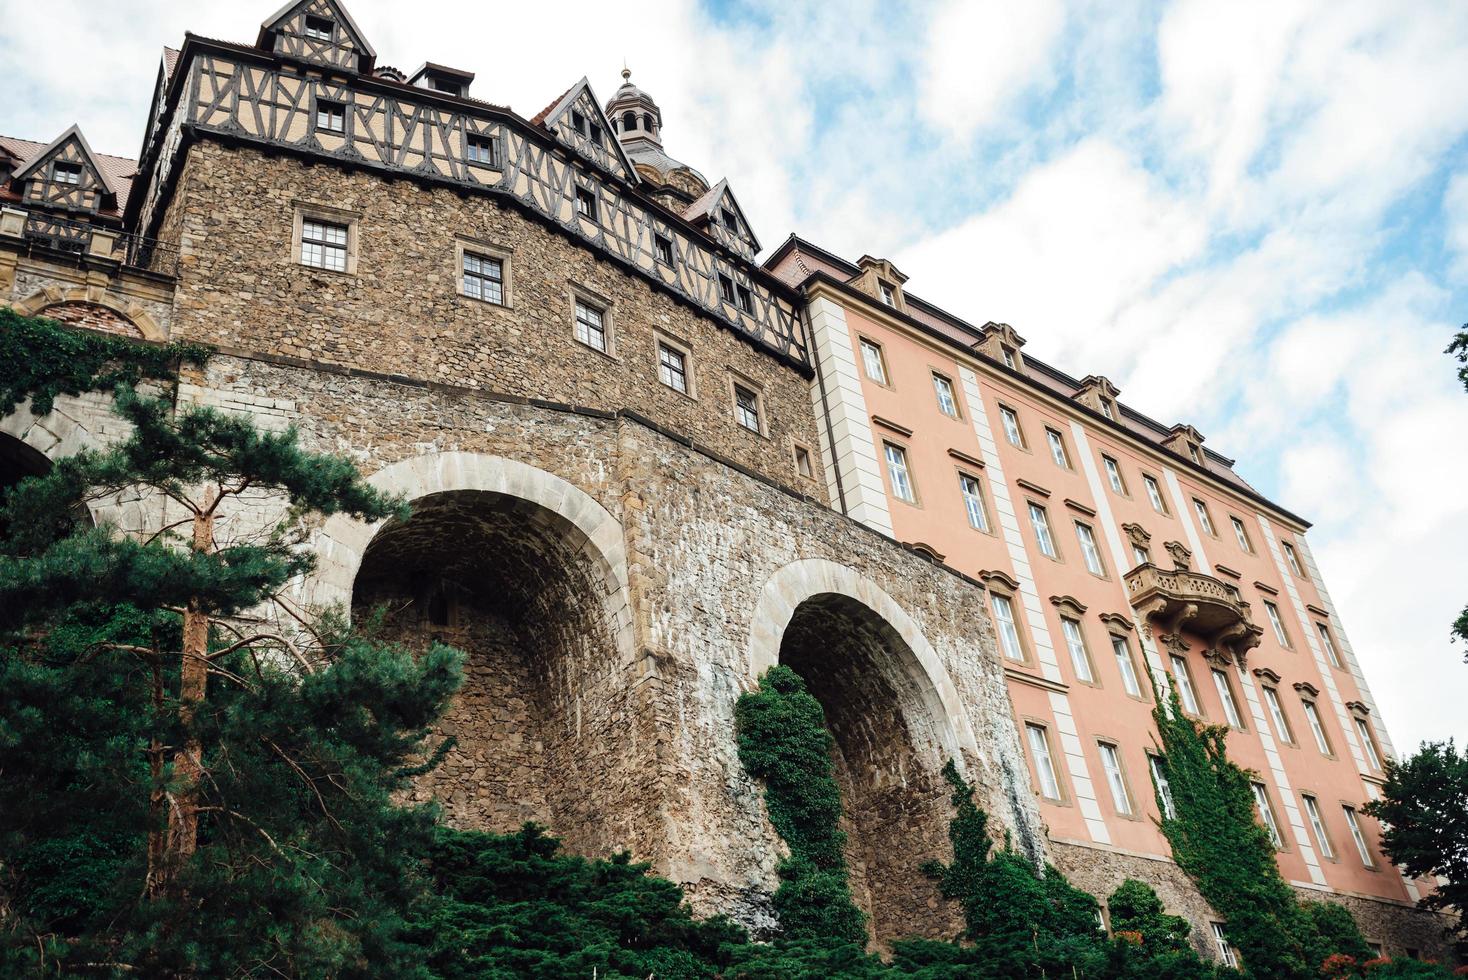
647 123
543 721
629 121
18 461
889 753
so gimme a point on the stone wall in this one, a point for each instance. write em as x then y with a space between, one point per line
87 293
401 312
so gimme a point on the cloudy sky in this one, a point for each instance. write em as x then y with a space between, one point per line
1252 216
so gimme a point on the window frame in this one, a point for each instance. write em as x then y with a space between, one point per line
662 341
662 249
1114 477
483 142
304 212
891 467
1267 816
1009 414
1161 786
312 32
1178 662
1241 534
1205 517
738 382
1013 621
863 345
805 464
587 205
1083 657
1292 558
1358 836
887 293
744 299
940 379
1367 733
1316 724
1223 686
1039 730
1155 498
331 108
72 168
1225 948
1315 820
1044 533
1116 778
1121 652
464 247
603 311
1276 620
987 526
1059 454
1277 718
1332 652
1085 532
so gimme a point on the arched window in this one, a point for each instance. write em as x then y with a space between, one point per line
647 121
629 120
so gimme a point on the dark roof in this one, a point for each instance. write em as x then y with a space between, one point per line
16 152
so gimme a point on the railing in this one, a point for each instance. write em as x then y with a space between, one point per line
82 239
1181 599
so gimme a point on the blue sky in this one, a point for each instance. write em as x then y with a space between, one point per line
1252 216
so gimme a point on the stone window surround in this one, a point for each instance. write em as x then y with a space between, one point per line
1064 448
735 378
1069 607
1212 529
662 338
894 438
947 375
1165 511
1328 851
1126 491
1139 671
1310 695
1059 556
504 256
1101 739
577 292
886 382
999 583
1104 575
304 210
1026 722
972 472
1024 443
796 448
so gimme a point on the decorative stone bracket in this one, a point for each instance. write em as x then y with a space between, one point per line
1180 600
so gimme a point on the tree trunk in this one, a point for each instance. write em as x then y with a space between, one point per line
157 878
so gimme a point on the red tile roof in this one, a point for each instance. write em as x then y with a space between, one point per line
15 151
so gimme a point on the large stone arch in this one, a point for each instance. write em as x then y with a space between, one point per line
896 718
55 300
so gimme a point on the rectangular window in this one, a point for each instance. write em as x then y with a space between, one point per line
1225 951
1317 826
1140 556
726 288
1266 814
1122 650
1277 715
745 299
578 121
1240 534
1012 431
1329 644
1164 788
1293 559
483 149
1154 494
1368 743
585 203
746 408
1040 521
66 173
319 28
1226 695
889 295
973 501
1113 475
1107 410
324 245
1312 715
1277 623
331 117
1355 827
803 464
1057 448
1010 361
873 362
897 472
1044 768
672 368
1007 628
943 388
730 221
1204 518
590 326
1111 762
484 278
662 249
1089 551
1075 643
1183 678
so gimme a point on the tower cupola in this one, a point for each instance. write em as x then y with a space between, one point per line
633 114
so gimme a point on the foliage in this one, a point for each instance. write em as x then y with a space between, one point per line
43 359
1135 907
1424 816
1333 932
783 742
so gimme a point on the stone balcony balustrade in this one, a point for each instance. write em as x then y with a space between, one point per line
1180 600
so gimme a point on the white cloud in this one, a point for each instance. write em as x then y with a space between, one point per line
1455 216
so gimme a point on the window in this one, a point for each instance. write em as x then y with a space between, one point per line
746 408
873 362
319 28
673 368
1154 494
1075 642
1276 713
1368 743
66 173
1241 534
1141 556
324 245
662 249
1040 521
1204 518
1226 695
1122 650
1329 644
484 278
726 288
1164 788
1193 454
1266 814
1010 361
1044 767
745 299
1113 475
1277 623
483 149
1057 448
585 127
1007 629
1312 715
585 203
1107 410
1111 762
590 326
1225 951
1355 827
1317 826
447 87
973 501
803 464
1183 678
1089 551
730 221
897 472
943 388
1012 431
331 117
889 295
1293 559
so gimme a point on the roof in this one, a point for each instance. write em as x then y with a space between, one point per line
18 153
700 207
540 117
430 68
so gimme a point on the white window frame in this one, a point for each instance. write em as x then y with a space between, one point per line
1368 743
1164 788
662 249
1056 442
1272 611
888 294
1140 556
317 239
1293 558
1183 678
1353 824
1040 524
467 251
1113 475
946 394
586 204
1317 826
667 373
329 108
899 474
1328 641
973 502
1045 772
1121 795
1221 943
741 413
1266 813
1075 645
1204 518
1090 551
1009 420
1241 534
873 361
587 333
1006 624
482 150
1277 716
1121 649
311 33
70 168
1154 493
1225 690
1317 726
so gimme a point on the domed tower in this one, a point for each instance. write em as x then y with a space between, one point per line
638 123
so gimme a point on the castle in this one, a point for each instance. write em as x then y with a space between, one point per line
645 467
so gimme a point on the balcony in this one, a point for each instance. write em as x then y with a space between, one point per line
1180 599
85 241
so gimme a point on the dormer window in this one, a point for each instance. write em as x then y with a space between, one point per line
446 86
331 117
1107 410
320 28
585 127
66 173
1194 455
1009 357
889 295
730 222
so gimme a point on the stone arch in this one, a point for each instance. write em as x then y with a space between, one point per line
58 301
896 718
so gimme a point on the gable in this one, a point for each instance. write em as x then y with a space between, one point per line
317 30
577 120
66 173
713 210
